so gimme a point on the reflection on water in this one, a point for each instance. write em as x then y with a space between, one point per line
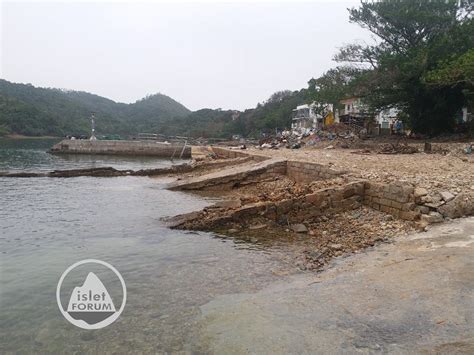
48 224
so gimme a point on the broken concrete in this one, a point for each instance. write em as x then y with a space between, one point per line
233 176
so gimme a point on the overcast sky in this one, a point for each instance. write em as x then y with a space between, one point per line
227 55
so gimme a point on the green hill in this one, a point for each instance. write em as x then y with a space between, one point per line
33 111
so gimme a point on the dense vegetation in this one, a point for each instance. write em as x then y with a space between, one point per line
33 111
422 62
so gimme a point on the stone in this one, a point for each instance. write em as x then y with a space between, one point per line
299 228
447 196
432 217
461 205
315 255
422 209
229 204
336 246
419 191
257 226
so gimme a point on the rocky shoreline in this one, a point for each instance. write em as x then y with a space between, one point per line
314 211
309 209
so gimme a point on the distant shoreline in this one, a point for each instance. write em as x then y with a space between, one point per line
21 136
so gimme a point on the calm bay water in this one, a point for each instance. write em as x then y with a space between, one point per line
47 224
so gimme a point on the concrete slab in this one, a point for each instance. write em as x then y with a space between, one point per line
413 296
231 175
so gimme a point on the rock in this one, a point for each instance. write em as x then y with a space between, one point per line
336 246
233 230
419 191
447 196
315 255
299 228
461 205
432 217
434 205
229 204
422 209
257 226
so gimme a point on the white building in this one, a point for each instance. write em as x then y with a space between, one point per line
353 106
310 116
387 117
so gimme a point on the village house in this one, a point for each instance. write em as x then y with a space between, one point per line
304 116
356 112
312 116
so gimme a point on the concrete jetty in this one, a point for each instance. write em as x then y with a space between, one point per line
119 147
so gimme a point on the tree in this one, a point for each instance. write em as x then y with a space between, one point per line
413 38
333 85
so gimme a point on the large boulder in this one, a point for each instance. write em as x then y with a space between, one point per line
461 205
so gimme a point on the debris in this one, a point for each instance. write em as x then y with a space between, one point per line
432 217
336 246
419 191
257 226
229 204
299 228
398 148
362 151
427 147
447 196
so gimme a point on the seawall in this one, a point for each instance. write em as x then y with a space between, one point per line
148 148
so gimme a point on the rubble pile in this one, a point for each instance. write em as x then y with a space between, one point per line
281 188
348 232
434 172
312 244
397 148
339 134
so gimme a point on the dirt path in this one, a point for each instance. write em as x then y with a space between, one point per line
412 296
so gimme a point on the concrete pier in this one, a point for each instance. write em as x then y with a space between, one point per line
148 148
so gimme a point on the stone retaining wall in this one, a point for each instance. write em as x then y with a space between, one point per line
233 153
306 172
297 210
400 199
397 199
148 148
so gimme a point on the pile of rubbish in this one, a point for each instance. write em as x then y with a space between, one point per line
391 148
338 132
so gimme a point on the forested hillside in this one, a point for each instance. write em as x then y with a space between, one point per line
33 111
